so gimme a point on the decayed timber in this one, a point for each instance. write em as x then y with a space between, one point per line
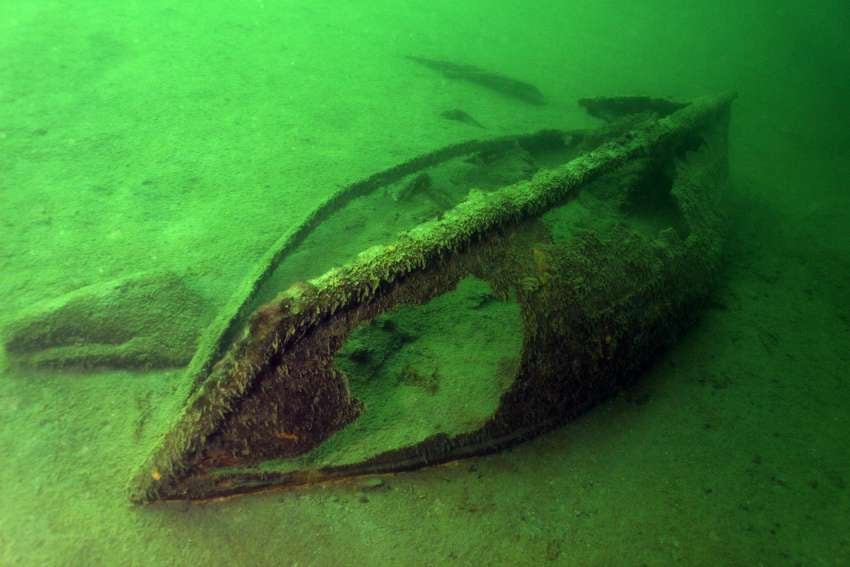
595 309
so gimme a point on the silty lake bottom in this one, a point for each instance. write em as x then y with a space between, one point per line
152 138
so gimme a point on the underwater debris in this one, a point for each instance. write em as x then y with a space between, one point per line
496 168
423 185
610 108
604 302
142 321
419 184
375 343
495 82
459 115
428 381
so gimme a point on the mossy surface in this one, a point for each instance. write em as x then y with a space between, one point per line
277 394
419 371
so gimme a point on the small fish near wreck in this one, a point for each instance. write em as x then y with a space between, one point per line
459 115
495 82
509 311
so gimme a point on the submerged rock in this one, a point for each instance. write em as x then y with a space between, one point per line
147 320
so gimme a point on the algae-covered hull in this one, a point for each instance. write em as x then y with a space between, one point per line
520 281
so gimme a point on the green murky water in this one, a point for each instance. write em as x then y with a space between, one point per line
180 141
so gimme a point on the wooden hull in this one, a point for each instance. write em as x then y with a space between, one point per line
505 314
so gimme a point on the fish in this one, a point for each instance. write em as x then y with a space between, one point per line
459 115
496 82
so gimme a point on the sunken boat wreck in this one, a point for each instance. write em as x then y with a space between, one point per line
506 286
518 282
